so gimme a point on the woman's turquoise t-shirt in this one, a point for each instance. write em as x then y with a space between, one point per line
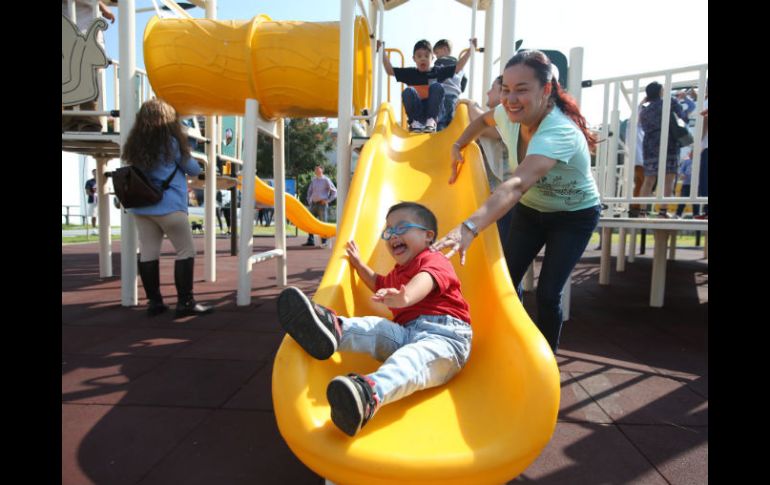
569 185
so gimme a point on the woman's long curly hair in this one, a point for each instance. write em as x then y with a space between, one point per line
541 64
150 138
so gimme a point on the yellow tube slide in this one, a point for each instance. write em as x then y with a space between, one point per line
210 67
295 210
492 420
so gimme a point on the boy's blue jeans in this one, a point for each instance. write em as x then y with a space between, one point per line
565 236
426 352
447 110
422 109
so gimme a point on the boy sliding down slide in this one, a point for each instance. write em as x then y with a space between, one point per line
427 343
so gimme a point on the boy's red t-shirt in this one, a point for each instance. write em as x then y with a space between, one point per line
445 299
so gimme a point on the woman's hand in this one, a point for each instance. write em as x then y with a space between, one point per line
457 161
392 297
456 240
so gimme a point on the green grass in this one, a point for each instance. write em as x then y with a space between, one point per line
682 239
85 239
259 231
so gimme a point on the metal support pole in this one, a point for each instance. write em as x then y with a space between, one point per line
472 73
247 203
604 260
620 264
658 290
210 187
105 236
279 201
129 102
575 81
508 38
489 48
210 202
380 55
345 104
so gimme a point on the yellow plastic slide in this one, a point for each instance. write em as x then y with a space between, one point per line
492 420
295 210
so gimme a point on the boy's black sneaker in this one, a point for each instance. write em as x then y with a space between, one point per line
353 402
314 327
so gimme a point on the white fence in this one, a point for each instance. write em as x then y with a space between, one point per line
615 159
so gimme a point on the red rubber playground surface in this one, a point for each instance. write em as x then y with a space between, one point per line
160 401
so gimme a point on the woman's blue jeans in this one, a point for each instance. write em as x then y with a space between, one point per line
565 236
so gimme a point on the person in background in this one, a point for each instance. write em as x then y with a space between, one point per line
650 117
91 198
158 147
320 193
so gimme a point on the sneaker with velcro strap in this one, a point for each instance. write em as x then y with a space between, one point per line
314 327
353 402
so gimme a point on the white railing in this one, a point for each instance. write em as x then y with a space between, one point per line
615 159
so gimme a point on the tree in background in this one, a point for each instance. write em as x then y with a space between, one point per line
306 143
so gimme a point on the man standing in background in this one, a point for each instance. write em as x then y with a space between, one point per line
320 193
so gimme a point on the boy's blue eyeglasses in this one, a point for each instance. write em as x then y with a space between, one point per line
399 230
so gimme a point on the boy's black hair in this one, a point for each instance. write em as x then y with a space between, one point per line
422 44
423 215
443 43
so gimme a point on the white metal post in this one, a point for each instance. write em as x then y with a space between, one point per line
210 202
604 260
344 104
247 203
489 49
620 264
508 39
105 236
210 186
672 246
658 289
374 12
380 55
632 247
631 141
575 78
472 73
664 128
129 101
279 202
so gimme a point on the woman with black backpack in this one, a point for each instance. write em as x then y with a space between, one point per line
158 147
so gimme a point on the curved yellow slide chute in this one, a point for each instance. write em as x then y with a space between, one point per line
492 420
210 67
295 210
